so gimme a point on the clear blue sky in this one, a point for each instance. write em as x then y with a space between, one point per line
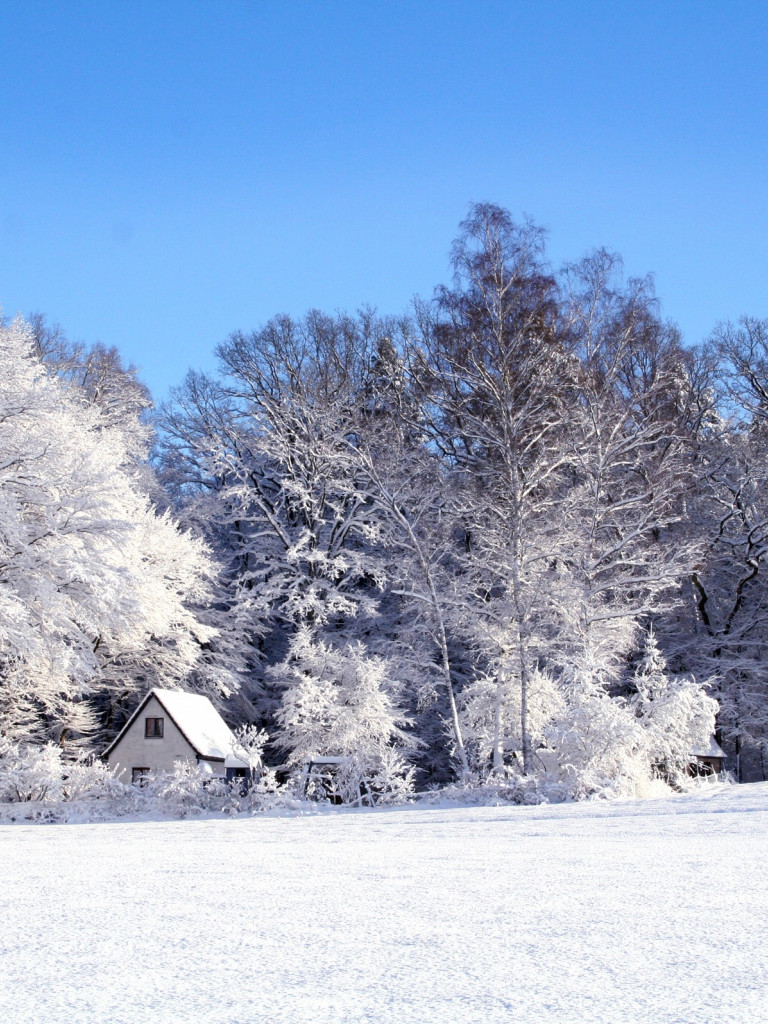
172 171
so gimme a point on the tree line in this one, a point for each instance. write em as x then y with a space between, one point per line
517 531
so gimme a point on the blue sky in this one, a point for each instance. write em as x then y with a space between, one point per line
170 172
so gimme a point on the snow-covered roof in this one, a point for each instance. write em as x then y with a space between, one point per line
230 761
197 719
200 722
711 749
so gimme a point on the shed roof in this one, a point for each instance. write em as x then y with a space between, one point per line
196 718
710 749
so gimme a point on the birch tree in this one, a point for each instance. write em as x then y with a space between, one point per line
405 483
499 370
626 546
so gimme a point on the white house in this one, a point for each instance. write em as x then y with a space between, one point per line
171 726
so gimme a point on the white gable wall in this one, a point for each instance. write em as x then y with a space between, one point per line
135 750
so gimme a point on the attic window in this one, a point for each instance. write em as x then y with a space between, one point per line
154 727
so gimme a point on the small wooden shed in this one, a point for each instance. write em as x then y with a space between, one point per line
169 727
708 759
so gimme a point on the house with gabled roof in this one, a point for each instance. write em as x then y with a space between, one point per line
170 727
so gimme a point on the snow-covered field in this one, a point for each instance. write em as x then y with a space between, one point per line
608 912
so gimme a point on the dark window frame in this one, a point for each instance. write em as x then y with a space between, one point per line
154 728
140 776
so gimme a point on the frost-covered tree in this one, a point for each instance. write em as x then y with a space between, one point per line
500 376
339 701
196 427
263 461
627 548
725 633
97 376
406 485
292 486
94 583
625 545
677 714
490 501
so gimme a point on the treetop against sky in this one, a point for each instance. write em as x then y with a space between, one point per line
171 172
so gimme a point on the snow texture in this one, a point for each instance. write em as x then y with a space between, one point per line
602 912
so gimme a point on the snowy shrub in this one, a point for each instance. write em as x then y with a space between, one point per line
249 745
189 790
505 787
492 716
42 786
600 747
92 780
39 774
626 746
30 773
389 778
385 778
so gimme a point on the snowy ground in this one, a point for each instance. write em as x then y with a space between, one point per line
627 912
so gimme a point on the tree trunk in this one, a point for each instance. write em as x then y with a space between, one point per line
498 739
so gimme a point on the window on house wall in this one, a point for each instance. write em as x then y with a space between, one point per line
139 776
154 727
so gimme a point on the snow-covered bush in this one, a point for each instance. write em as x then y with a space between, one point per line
30 773
492 716
189 790
249 746
41 786
386 778
501 787
600 748
626 747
